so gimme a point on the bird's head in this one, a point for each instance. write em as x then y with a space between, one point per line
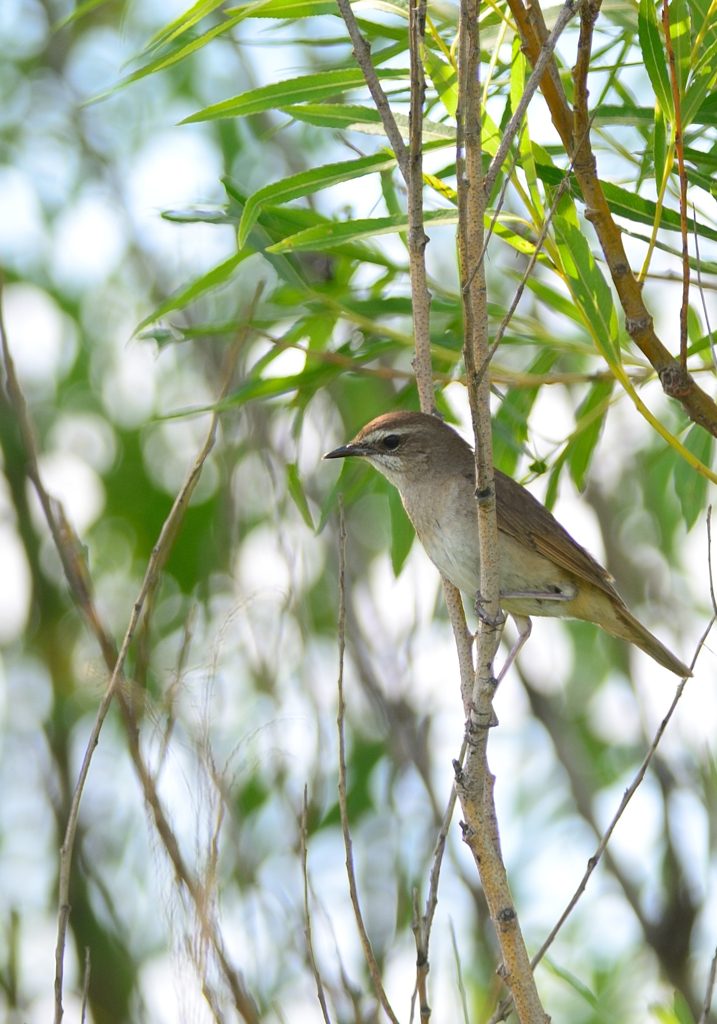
403 445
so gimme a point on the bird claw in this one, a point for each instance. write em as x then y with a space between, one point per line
494 621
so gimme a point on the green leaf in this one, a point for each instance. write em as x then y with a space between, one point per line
690 486
296 490
575 983
291 91
168 60
510 423
326 236
626 113
175 28
215 277
307 182
653 52
588 288
285 9
402 532
445 80
363 119
659 146
703 80
79 12
590 417
681 41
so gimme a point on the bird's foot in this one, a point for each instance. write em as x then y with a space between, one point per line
494 621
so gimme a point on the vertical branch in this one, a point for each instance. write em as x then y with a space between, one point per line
680 151
474 782
417 238
343 805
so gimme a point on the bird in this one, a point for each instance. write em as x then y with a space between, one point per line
543 570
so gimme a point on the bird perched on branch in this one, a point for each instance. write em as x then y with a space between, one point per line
543 571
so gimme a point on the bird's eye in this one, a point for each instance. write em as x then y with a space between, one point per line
391 442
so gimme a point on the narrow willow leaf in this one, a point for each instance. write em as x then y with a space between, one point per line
277 222
681 41
510 423
702 82
690 486
626 113
554 300
653 52
363 119
284 9
590 418
705 266
659 146
297 492
588 288
402 532
307 182
168 60
79 12
707 114
169 32
445 80
326 236
399 7
215 277
293 90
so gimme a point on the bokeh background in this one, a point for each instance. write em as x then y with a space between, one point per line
237 674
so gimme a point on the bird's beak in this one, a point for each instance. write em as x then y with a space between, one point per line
346 450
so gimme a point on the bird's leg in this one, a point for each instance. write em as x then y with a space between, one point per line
524 629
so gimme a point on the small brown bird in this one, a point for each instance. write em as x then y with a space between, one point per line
543 571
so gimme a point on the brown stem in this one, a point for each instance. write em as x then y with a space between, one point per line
680 151
373 967
474 782
544 58
417 237
362 53
502 1010
69 550
675 380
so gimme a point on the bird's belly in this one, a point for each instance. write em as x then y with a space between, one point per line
522 571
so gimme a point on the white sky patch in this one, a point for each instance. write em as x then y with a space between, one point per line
76 485
40 342
22 238
15 585
89 243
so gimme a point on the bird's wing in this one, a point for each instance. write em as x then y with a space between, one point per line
523 517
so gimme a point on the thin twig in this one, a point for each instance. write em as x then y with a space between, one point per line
343 806
701 289
459 975
706 1005
474 781
568 10
560 192
320 994
496 213
85 986
627 797
362 53
417 237
79 581
505 1004
422 965
680 151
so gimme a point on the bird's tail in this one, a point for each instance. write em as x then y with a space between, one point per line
625 626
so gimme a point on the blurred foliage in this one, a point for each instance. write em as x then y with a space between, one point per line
119 320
